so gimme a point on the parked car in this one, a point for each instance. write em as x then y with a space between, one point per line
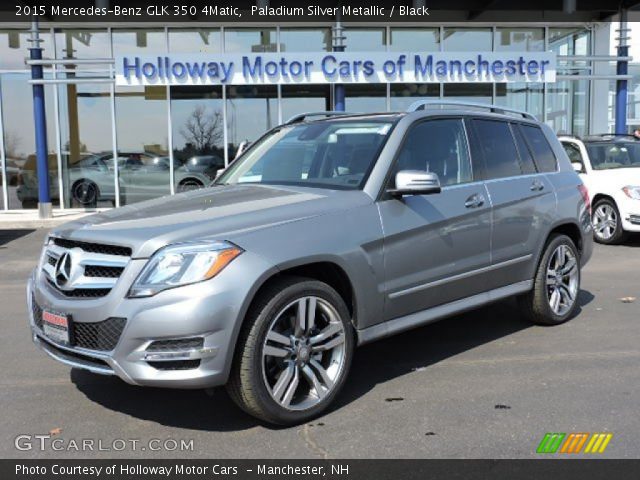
12 171
325 234
609 166
143 176
206 164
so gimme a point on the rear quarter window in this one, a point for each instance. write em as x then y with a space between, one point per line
542 152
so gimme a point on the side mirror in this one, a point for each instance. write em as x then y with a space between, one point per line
577 166
242 147
416 182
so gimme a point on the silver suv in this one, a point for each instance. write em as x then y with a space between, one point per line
325 234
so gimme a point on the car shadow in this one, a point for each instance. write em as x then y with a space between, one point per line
7 236
373 364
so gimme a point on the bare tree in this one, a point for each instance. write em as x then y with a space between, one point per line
12 142
203 129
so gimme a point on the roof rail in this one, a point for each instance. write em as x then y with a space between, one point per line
423 104
301 117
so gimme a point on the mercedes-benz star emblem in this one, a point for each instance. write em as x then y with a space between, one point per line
63 269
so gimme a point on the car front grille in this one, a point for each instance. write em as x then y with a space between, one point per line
93 247
101 336
102 272
92 269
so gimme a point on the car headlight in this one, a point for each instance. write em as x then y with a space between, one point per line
183 264
632 192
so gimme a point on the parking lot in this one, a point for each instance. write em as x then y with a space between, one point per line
481 385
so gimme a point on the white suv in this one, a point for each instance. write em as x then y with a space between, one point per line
609 166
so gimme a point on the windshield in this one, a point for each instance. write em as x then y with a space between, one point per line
606 156
336 155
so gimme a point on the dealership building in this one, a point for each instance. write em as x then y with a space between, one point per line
170 134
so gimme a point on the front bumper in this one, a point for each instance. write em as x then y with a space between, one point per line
210 311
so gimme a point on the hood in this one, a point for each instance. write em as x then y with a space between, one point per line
214 213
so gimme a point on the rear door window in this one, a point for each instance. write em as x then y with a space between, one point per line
543 154
497 148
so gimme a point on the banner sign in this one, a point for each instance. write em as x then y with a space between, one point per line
334 67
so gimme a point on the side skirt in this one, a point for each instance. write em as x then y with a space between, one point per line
397 325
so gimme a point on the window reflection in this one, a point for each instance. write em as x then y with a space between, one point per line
519 39
19 141
365 39
304 98
469 92
247 40
467 39
404 94
197 132
364 97
251 111
140 41
202 40
87 149
14 48
415 40
143 157
83 43
568 101
305 39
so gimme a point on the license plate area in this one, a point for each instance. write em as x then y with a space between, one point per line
55 326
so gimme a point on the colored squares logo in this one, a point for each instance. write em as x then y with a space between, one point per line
574 443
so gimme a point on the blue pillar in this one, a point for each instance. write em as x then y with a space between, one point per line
621 92
338 46
621 84
40 123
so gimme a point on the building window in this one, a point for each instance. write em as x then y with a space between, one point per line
143 157
87 148
519 39
76 43
198 137
201 40
365 39
19 141
251 111
14 48
305 40
467 40
414 40
246 40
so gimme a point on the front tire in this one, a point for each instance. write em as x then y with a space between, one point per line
553 299
294 352
607 224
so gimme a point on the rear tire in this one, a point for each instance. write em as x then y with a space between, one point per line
290 364
554 297
607 224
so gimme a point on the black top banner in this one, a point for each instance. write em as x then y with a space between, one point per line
286 11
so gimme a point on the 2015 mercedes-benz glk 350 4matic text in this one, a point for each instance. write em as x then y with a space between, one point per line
328 232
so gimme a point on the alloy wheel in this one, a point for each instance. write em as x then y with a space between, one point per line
85 192
605 221
303 354
562 280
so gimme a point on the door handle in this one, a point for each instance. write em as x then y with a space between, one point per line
474 201
537 185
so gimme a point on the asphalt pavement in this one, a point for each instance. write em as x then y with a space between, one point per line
481 385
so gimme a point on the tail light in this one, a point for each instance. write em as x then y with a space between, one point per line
585 196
